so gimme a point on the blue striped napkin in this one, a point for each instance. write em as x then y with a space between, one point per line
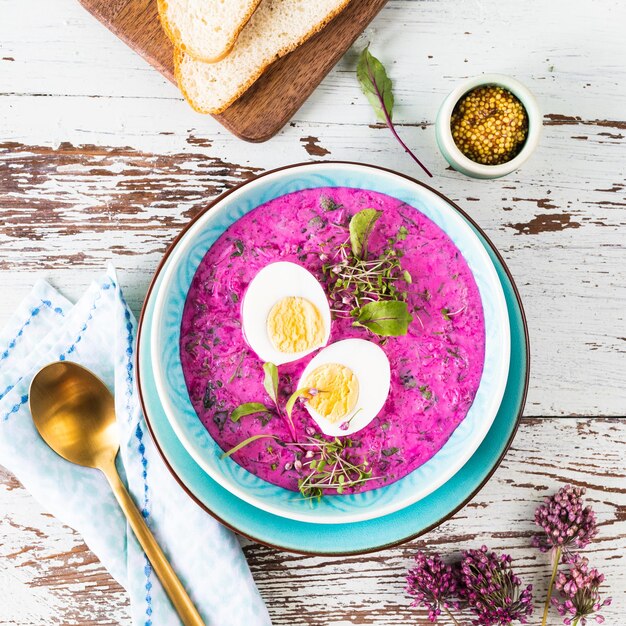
99 332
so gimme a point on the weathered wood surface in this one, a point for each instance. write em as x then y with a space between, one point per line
53 570
273 99
100 159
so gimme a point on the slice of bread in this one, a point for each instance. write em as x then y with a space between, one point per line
205 29
275 28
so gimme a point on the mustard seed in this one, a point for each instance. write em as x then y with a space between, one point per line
489 116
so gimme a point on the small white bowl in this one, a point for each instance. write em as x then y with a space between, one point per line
449 149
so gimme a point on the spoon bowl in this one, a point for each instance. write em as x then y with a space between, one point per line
74 412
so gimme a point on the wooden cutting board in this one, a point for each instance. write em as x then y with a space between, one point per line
271 102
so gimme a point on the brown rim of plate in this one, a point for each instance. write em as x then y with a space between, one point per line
445 517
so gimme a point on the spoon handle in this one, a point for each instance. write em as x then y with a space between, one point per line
173 587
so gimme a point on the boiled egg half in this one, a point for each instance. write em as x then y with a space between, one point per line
285 313
347 385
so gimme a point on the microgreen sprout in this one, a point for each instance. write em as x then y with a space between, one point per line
330 467
448 315
270 382
345 425
328 204
246 442
356 280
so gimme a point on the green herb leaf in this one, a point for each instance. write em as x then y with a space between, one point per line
375 83
390 451
328 204
361 226
249 408
426 392
299 393
271 381
385 318
239 248
244 443
407 277
377 87
235 374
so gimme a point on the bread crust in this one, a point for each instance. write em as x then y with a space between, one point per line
179 57
175 37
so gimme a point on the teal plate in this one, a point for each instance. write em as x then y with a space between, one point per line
347 538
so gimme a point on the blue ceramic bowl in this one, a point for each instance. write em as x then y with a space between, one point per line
340 539
169 300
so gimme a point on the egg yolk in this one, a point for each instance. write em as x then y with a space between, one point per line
337 391
295 325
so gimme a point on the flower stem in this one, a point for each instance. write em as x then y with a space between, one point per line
546 607
447 610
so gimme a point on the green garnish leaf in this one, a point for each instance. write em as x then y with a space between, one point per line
235 374
249 408
387 318
361 226
299 393
426 392
270 381
375 84
377 87
407 277
239 248
328 204
244 443
390 451
330 467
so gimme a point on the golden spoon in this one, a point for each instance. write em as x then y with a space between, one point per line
74 413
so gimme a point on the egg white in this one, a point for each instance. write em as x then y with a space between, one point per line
371 367
271 284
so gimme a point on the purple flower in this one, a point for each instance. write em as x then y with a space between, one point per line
492 591
433 584
579 591
565 521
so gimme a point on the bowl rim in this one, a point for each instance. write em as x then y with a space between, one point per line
444 134
446 517
349 518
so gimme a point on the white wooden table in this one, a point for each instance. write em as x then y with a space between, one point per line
101 159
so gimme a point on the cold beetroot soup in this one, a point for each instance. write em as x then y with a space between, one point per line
435 367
